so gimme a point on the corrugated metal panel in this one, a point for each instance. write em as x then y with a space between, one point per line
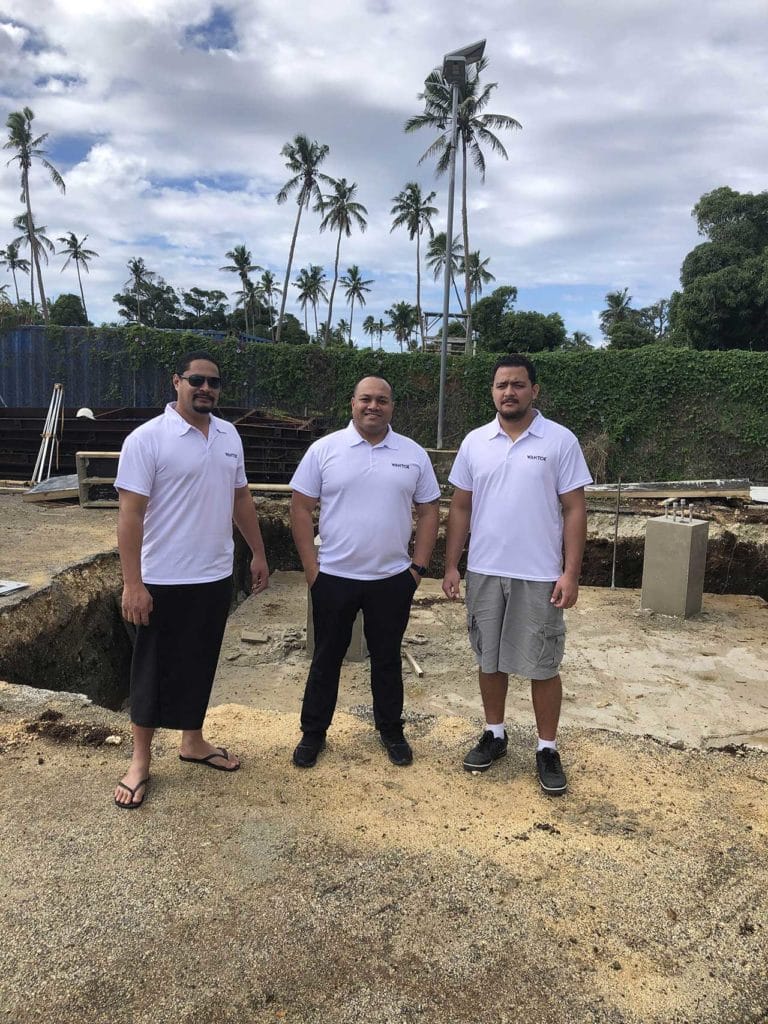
89 366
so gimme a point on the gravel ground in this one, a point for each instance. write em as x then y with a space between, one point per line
360 892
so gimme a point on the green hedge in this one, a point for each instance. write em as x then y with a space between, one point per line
650 413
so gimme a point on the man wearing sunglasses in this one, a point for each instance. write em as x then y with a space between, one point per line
181 480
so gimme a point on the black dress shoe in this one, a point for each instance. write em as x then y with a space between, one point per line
398 748
305 754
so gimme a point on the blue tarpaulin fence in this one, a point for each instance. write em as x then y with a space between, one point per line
30 366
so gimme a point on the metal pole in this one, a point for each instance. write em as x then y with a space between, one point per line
448 268
615 536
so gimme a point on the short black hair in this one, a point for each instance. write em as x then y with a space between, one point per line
188 358
515 360
373 376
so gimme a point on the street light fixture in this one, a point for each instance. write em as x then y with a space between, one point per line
455 66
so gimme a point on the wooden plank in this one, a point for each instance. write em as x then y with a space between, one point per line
675 489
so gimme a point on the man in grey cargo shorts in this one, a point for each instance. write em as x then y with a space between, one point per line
519 491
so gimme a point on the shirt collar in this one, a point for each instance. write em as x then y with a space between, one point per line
536 427
182 425
388 441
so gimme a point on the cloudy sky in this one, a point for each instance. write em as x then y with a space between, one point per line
167 117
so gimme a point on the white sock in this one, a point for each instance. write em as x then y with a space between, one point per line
498 730
550 744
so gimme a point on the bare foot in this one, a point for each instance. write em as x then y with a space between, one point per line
131 789
216 757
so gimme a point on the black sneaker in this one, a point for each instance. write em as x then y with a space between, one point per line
398 748
550 771
487 750
305 754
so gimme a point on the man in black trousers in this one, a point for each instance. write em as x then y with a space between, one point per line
367 480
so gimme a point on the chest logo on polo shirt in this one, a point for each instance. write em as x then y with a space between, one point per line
401 465
537 458
231 455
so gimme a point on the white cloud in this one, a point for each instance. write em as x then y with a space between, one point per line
630 112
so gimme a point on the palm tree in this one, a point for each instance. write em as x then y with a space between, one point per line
436 260
341 212
39 244
19 125
369 327
4 293
355 287
478 273
412 210
249 297
140 278
311 285
269 288
10 258
617 309
242 266
474 128
303 158
75 250
402 320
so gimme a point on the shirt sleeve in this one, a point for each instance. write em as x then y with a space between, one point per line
427 487
573 471
136 466
241 480
461 472
308 479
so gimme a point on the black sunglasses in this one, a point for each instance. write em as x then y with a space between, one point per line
196 380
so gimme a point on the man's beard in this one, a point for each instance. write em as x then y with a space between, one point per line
207 405
513 412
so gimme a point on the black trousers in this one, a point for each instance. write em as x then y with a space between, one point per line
386 606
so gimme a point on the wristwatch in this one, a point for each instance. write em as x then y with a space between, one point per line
420 569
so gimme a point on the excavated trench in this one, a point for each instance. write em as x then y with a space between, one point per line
70 635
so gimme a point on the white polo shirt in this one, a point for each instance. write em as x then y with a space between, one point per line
366 494
190 481
517 525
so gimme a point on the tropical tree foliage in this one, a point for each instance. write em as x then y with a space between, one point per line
311 284
27 149
33 236
74 249
436 256
13 261
303 159
475 129
412 210
355 288
242 264
403 319
724 298
340 212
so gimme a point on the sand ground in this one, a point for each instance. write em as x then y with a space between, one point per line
361 892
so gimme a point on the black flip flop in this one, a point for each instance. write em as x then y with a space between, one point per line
208 763
133 804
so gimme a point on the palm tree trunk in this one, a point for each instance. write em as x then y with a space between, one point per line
465 228
15 285
35 254
351 317
333 290
82 297
246 298
300 203
418 291
314 306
